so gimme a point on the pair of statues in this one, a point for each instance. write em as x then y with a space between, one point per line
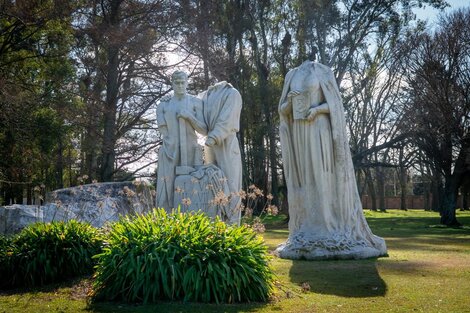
325 211
183 177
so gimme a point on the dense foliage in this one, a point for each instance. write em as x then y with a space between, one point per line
5 244
178 256
45 253
80 80
36 96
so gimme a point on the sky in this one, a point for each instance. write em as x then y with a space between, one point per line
430 14
425 13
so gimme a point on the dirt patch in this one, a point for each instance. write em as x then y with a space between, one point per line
81 290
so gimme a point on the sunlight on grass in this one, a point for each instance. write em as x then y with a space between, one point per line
427 270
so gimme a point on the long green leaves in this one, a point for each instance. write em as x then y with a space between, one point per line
45 253
178 256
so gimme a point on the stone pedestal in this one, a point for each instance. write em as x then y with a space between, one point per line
205 189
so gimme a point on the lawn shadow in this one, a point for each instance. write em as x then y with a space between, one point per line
428 244
173 307
346 278
48 288
414 226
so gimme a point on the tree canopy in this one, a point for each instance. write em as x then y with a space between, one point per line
80 81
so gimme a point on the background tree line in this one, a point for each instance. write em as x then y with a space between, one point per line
80 81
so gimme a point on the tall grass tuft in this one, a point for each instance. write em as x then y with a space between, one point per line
182 256
46 253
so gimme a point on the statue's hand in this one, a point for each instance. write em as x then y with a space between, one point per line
312 112
185 114
210 142
292 94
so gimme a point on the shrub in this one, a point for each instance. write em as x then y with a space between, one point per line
182 256
45 253
5 250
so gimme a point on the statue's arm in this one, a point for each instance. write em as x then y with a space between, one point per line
285 106
199 126
195 117
323 108
198 122
161 122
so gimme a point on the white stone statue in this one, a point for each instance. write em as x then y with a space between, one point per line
180 151
326 218
222 105
182 178
222 108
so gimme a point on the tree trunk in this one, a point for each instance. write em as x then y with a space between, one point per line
265 93
59 166
371 188
381 188
465 188
112 89
29 194
8 198
403 180
69 162
260 172
452 185
92 132
464 201
449 204
437 191
427 194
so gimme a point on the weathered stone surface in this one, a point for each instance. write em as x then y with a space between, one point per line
222 108
217 116
98 203
94 203
206 189
14 218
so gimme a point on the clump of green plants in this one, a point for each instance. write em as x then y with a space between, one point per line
45 253
182 256
5 250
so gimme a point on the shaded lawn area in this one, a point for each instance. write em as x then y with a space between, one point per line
427 270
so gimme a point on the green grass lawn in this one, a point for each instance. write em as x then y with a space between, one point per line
427 270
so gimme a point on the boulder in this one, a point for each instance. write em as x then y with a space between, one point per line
14 218
96 204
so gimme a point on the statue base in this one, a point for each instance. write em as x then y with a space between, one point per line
205 189
331 248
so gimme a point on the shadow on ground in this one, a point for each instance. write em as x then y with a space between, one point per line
50 288
346 278
173 308
415 226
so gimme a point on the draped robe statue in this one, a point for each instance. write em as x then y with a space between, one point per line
222 106
326 218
